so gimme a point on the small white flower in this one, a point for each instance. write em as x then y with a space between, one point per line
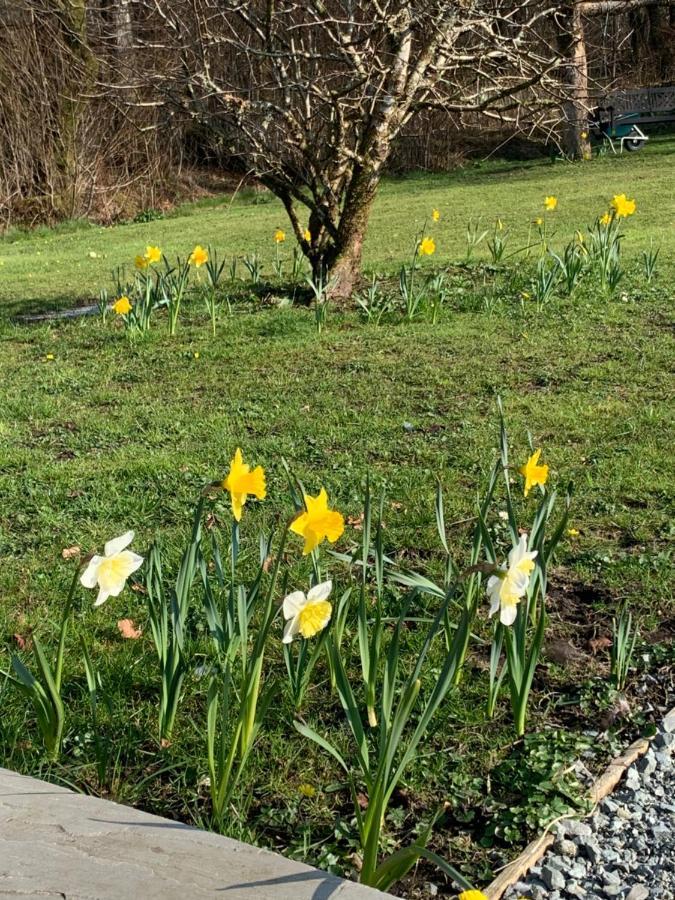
307 614
509 586
110 572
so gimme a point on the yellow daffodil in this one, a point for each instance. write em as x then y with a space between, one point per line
122 305
279 236
472 895
584 135
533 473
318 522
550 203
307 614
110 572
308 235
623 207
196 354
436 215
49 357
605 219
427 246
539 221
198 257
141 262
572 532
241 482
499 225
509 585
152 254
579 236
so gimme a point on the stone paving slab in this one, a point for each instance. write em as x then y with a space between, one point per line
58 844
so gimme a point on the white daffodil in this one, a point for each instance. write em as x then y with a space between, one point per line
110 572
307 614
507 587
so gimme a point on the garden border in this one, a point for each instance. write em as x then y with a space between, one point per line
603 785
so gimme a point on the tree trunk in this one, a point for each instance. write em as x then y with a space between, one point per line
343 263
575 77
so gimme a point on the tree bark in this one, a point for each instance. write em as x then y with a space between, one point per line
572 46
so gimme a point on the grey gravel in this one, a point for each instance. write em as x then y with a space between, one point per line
626 849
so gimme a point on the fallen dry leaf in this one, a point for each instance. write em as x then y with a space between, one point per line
356 522
20 641
70 552
128 630
601 643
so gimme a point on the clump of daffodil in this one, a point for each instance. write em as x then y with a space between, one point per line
533 473
318 522
279 236
605 219
241 482
436 215
110 571
198 257
622 206
122 306
509 584
550 203
307 614
427 246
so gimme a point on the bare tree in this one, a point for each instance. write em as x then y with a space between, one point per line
309 95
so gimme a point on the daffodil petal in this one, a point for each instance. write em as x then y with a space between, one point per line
116 545
320 591
89 577
291 630
293 603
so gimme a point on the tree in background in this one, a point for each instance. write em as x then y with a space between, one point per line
310 95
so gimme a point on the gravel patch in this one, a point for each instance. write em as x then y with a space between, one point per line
626 849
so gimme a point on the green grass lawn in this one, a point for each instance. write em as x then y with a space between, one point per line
112 434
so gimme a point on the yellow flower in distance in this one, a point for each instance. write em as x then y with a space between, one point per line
152 254
427 246
307 790
550 203
110 571
241 482
198 257
539 221
50 357
140 262
307 614
605 219
499 225
472 895
318 522
308 235
279 236
623 207
584 135
122 305
436 215
533 473
509 585
572 532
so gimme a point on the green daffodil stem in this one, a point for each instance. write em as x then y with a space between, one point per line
64 630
